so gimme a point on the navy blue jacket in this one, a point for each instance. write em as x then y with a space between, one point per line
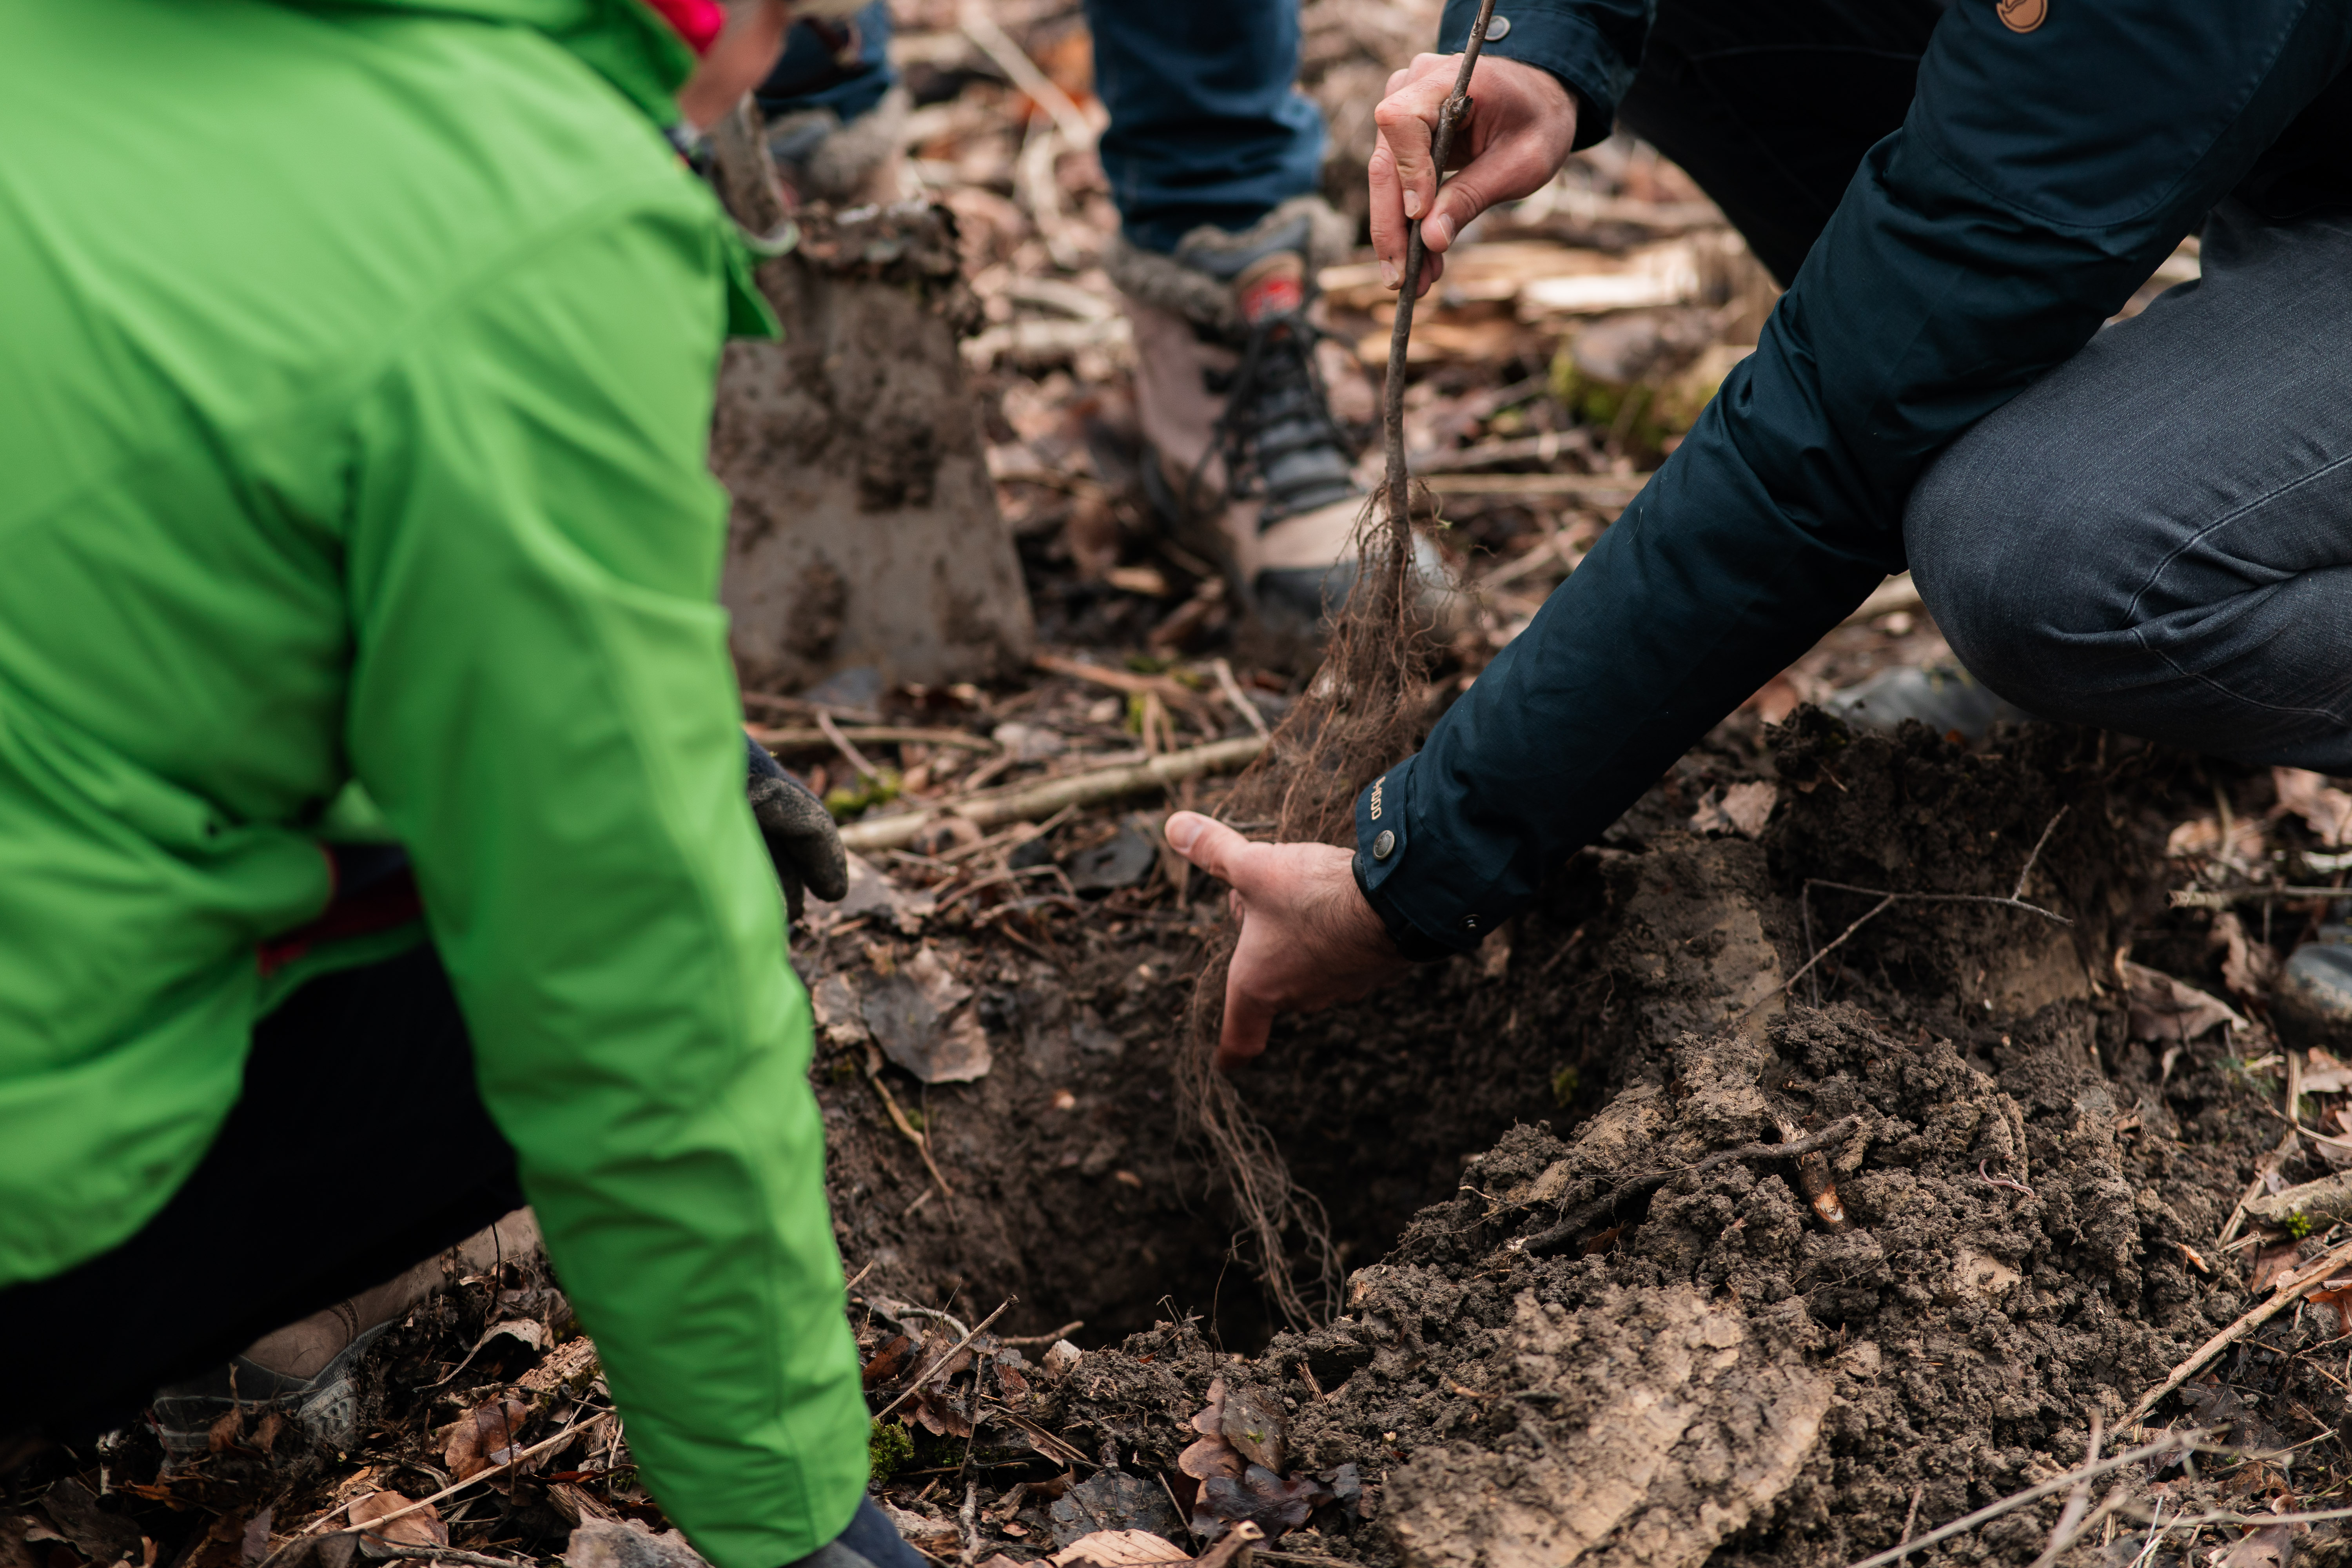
2039 178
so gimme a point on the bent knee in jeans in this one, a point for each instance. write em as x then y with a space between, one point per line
2156 536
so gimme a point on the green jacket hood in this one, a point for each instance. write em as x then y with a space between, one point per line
623 41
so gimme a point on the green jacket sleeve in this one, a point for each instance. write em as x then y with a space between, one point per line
544 707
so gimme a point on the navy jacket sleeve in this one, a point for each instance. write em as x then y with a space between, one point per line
1592 46
2039 178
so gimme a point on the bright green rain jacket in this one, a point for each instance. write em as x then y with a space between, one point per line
355 376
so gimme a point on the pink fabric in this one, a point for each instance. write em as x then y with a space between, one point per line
696 21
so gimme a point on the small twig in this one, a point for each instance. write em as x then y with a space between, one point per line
1804 897
2329 1138
2201 1519
2291 1288
920 1140
2222 898
841 743
2254 1188
444 1554
2183 1441
1234 695
1912 1518
2017 894
851 1283
1886 900
377 1523
978 1329
2070 1519
1024 1341
878 734
968 1516
1449 117
1030 800
1564 1231
2012 1186
1035 84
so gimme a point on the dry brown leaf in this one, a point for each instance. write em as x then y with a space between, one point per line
2200 839
1211 1457
1211 1418
2263 1546
1252 1423
1744 809
933 1408
422 1527
890 1361
1272 1502
1234 1542
2270 1262
253 1546
96 1533
2250 968
2324 809
485 1437
2339 1297
2167 1010
1120 1549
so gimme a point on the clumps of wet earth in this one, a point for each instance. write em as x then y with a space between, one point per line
2010 1233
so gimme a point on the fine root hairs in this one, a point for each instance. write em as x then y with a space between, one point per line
1360 713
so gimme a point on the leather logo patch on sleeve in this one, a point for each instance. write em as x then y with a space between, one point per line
2022 15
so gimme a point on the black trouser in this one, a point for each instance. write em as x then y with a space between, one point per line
1771 104
358 1149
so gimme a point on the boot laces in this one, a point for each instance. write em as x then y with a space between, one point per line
1278 434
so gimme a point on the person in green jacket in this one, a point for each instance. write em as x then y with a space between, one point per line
356 361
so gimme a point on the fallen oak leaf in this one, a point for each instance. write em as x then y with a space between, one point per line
484 1436
1252 1423
890 1361
1211 1418
1234 1549
1258 1497
2165 1009
2263 1546
1120 1549
1211 1457
2339 1295
2326 811
422 1527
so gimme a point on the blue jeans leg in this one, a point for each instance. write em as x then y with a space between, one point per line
827 65
2156 536
1207 125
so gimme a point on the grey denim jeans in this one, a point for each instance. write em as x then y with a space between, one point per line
2156 536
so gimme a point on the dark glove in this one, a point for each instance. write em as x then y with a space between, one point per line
801 840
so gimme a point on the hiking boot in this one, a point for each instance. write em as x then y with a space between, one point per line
305 1372
2313 1003
1247 461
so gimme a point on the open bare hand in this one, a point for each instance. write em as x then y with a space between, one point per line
1515 138
1308 937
